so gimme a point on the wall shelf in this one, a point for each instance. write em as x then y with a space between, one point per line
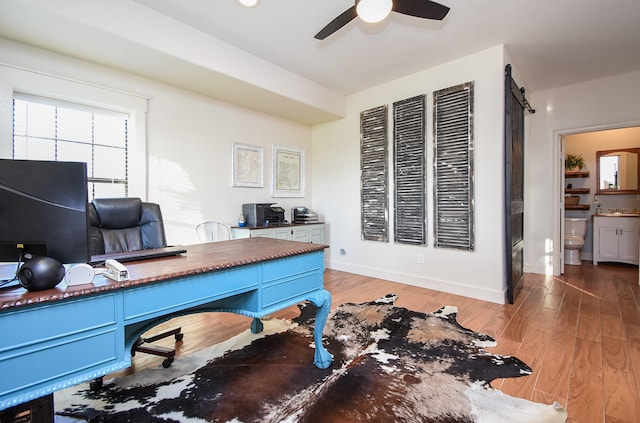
578 174
577 206
576 190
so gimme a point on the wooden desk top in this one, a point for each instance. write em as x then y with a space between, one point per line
200 258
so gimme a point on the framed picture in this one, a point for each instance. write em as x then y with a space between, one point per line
288 171
247 166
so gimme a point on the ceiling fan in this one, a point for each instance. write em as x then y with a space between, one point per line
419 8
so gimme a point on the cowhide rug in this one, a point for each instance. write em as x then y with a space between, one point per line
390 364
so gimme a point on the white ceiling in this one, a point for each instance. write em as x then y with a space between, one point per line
202 45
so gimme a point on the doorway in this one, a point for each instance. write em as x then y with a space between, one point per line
586 142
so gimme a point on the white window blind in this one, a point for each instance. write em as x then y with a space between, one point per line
48 129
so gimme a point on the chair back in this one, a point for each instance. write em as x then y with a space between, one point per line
212 231
124 224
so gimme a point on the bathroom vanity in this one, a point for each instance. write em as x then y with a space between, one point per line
616 237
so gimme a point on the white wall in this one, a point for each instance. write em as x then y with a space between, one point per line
188 139
336 185
604 103
188 149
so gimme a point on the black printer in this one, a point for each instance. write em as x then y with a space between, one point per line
263 214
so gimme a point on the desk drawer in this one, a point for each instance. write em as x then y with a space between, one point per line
56 361
161 298
285 280
287 289
64 318
277 269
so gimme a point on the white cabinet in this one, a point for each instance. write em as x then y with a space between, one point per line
281 233
303 233
616 239
309 233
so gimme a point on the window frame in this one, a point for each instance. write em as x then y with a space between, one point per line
26 81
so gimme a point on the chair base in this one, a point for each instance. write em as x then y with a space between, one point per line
142 345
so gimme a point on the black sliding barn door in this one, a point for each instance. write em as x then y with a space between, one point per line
514 188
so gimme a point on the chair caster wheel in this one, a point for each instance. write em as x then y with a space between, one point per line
179 336
166 363
96 384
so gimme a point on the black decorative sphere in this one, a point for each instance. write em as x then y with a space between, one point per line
41 273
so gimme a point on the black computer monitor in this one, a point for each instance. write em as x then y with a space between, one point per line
43 210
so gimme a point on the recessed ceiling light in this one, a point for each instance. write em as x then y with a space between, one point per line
248 3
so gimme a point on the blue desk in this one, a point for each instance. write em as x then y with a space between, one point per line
53 339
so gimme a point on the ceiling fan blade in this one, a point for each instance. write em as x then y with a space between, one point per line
342 19
421 9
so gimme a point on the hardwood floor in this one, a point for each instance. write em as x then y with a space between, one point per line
580 333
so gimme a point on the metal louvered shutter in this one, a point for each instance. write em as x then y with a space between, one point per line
373 174
409 169
453 167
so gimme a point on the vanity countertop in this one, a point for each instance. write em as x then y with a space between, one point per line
617 215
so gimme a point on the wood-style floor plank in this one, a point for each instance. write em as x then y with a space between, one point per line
621 391
580 333
589 318
529 351
556 364
610 319
633 341
585 384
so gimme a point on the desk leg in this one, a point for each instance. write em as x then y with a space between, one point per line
256 325
322 300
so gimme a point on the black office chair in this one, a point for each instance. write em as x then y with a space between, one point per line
130 224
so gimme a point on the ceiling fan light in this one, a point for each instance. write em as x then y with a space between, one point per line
374 10
248 3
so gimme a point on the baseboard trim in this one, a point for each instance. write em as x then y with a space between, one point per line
450 287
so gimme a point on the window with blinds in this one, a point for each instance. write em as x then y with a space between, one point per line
46 129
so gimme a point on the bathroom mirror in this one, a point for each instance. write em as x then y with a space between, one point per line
617 171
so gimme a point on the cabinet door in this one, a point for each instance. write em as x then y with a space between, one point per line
238 233
265 233
301 234
608 248
629 245
317 234
281 233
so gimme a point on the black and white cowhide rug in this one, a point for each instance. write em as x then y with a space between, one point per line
390 364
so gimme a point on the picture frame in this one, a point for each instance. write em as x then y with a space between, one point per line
247 165
288 171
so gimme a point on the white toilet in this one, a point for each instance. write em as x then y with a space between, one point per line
575 229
